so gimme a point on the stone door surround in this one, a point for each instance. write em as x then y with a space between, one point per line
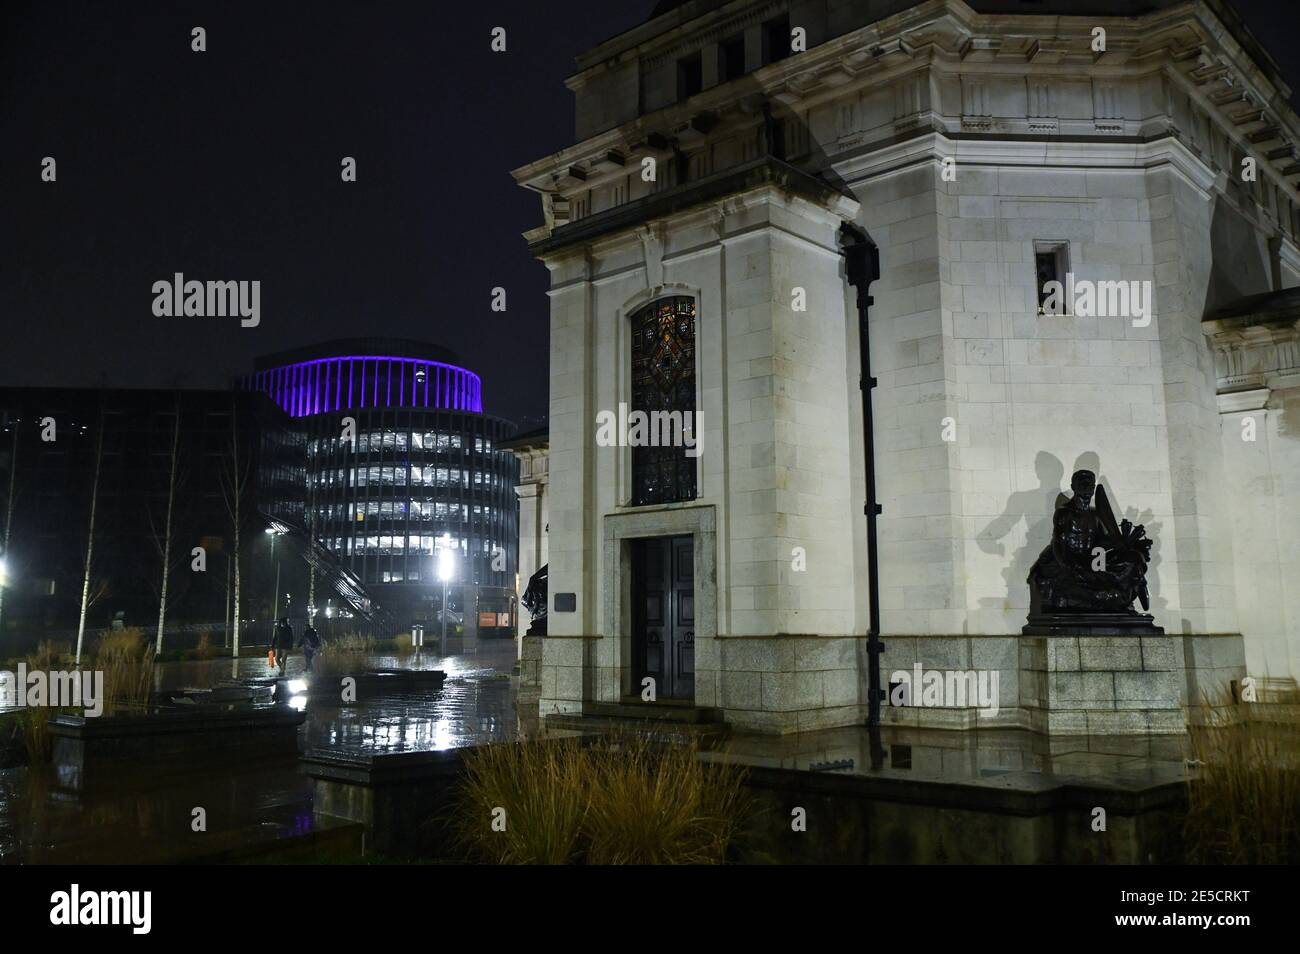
700 521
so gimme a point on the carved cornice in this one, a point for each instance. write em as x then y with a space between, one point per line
939 40
765 171
1256 342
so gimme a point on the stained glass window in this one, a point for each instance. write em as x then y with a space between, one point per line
663 380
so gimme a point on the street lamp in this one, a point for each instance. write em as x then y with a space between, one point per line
4 572
446 570
275 603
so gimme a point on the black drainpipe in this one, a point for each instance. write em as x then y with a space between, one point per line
862 267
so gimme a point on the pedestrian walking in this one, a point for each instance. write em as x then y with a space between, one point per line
310 644
282 643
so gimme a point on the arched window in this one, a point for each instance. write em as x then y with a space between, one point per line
663 390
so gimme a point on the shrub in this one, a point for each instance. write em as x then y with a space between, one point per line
346 654
126 658
33 725
544 792
663 806
1243 805
403 644
33 730
620 800
204 649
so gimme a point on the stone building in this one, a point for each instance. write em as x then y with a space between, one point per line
762 195
534 519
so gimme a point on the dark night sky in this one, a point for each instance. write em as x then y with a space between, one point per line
224 165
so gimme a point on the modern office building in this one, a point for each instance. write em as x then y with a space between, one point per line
399 457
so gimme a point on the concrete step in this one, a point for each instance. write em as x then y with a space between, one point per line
678 721
677 712
705 734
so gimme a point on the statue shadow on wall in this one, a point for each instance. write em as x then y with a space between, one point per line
1036 508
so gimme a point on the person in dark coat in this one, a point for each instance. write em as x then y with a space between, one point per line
282 643
310 644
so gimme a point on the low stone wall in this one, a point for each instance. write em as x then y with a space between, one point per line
852 819
1073 685
87 751
1084 685
401 798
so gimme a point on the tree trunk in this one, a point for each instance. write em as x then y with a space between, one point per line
167 531
225 635
238 489
9 519
234 639
90 536
232 489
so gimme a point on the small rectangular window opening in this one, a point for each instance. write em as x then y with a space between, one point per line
1051 264
776 39
731 59
690 77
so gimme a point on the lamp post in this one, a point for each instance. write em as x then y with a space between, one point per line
275 602
446 569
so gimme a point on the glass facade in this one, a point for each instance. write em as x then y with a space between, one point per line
419 464
415 476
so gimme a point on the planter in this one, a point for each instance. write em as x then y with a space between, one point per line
181 739
394 795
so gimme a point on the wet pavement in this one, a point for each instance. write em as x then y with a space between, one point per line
142 816
475 704
1008 760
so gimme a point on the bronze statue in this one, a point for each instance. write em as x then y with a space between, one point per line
1088 577
534 600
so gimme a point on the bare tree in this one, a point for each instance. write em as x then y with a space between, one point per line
9 517
166 547
234 480
229 592
90 538
311 543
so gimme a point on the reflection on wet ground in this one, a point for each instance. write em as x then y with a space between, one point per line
1002 759
475 704
139 816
